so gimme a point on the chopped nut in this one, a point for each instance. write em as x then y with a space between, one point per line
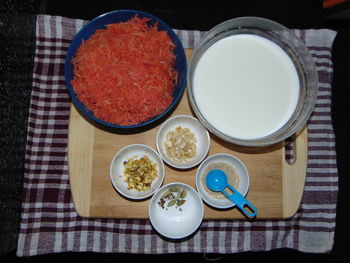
180 145
139 174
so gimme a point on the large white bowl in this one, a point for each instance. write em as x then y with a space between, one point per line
176 222
117 170
242 172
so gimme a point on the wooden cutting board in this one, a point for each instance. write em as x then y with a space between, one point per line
276 187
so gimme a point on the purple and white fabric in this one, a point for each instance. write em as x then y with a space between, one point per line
49 222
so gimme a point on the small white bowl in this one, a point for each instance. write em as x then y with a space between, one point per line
201 134
176 222
116 171
211 198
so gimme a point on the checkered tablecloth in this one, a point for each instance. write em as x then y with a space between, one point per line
49 222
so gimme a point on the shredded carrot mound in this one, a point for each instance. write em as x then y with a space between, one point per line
125 73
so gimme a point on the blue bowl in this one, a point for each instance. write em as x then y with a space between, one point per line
100 22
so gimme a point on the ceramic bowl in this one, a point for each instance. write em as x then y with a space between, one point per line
101 22
201 135
173 218
116 172
237 174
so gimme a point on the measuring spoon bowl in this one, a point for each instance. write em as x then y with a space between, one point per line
216 180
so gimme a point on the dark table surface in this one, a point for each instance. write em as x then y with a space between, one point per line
17 42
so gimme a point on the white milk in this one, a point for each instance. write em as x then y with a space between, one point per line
246 86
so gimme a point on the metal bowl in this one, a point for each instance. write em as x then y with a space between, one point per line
292 46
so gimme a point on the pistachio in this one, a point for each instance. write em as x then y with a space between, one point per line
139 173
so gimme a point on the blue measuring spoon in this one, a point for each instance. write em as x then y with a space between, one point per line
217 181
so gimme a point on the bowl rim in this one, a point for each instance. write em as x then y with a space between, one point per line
310 96
168 160
198 179
130 197
153 201
78 37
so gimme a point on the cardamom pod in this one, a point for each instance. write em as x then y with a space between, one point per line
183 193
180 202
166 193
174 189
171 203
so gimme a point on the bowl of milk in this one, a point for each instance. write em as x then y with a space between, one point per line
252 82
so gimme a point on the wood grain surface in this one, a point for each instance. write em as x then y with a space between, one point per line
276 187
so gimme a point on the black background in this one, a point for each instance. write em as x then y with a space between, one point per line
17 41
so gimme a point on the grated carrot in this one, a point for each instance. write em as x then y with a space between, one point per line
125 73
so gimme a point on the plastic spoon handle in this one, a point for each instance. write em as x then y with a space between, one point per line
241 202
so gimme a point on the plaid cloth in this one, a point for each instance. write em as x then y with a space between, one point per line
49 222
